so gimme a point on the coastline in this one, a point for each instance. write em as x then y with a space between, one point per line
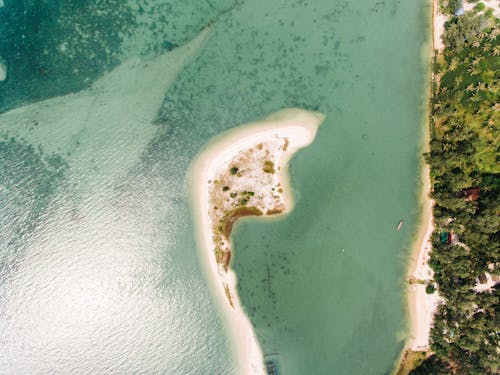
297 126
438 21
422 306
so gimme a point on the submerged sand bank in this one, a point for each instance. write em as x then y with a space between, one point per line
244 169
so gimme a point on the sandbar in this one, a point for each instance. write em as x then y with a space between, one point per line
244 172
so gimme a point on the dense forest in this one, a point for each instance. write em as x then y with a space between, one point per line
465 177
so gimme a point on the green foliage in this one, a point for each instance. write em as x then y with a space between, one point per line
463 30
234 170
452 5
465 102
429 289
464 154
432 365
479 7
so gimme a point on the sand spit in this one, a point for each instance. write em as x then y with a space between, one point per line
244 172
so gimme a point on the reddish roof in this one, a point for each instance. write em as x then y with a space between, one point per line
472 194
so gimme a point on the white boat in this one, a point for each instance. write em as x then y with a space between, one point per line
400 225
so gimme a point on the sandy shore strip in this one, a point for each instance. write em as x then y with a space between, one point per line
422 306
282 133
492 4
438 20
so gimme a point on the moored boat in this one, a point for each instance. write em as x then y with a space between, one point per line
400 225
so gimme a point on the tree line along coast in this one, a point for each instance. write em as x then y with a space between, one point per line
465 181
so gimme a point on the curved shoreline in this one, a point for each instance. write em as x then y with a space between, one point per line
420 305
298 128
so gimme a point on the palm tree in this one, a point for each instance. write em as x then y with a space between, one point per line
494 33
473 71
476 97
453 64
476 60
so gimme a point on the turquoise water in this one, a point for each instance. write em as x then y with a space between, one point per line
324 287
98 267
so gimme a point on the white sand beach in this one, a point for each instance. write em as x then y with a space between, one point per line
297 129
492 4
438 20
422 305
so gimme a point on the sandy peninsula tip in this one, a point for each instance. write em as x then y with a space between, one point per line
243 172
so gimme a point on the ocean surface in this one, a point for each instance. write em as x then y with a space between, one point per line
105 105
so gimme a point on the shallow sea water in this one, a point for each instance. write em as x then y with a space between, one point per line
99 272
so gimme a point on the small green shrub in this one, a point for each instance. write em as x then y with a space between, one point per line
429 289
268 166
234 170
479 7
225 188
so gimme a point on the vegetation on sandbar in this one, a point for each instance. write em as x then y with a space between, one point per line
230 218
268 167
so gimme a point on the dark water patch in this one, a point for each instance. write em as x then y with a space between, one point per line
57 47
28 181
358 175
